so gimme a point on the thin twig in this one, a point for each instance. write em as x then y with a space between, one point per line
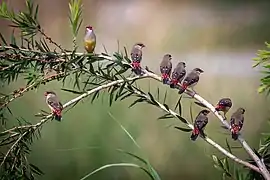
27 88
12 147
50 40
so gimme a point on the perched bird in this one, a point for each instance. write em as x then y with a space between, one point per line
136 57
237 121
54 104
191 80
224 105
166 68
89 39
199 124
178 74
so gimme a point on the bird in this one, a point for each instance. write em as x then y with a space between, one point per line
166 68
178 74
199 124
136 57
89 39
54 104
191 80
237 121
224 105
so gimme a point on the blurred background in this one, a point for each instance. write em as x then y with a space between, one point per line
221 37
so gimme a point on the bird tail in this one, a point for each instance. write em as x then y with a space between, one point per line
182 89
235 131
57 116
173 83
195 134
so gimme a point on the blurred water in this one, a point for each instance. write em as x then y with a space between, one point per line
221 38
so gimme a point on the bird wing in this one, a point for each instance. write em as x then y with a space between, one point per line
201 121
166 66
54 103
178 74
232 121
241 122
191 79
136 55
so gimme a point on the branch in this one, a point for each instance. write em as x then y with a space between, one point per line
208 140
147 73
21 91
77 99
248 149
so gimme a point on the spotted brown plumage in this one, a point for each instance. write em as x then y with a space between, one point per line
54 104
224 105
178 74
199 124
136 57
191 80
166 68
237 121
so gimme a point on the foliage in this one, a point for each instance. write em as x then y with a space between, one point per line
263 152
30 55
263 59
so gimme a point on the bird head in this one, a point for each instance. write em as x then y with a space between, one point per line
198 70
205 112
89 28
241 110
48 92
167 56
139 45
182 64
225 102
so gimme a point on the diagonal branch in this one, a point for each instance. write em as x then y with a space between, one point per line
147 73
20 92
208 140
244 144
77 99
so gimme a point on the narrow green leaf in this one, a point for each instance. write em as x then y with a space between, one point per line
190 112
118 165
3 39
96 94
136 101
125 130
165 97
111 98
35 169
228 146
167 107
178 104
181 119
72 91
126 96
166 116
183 129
